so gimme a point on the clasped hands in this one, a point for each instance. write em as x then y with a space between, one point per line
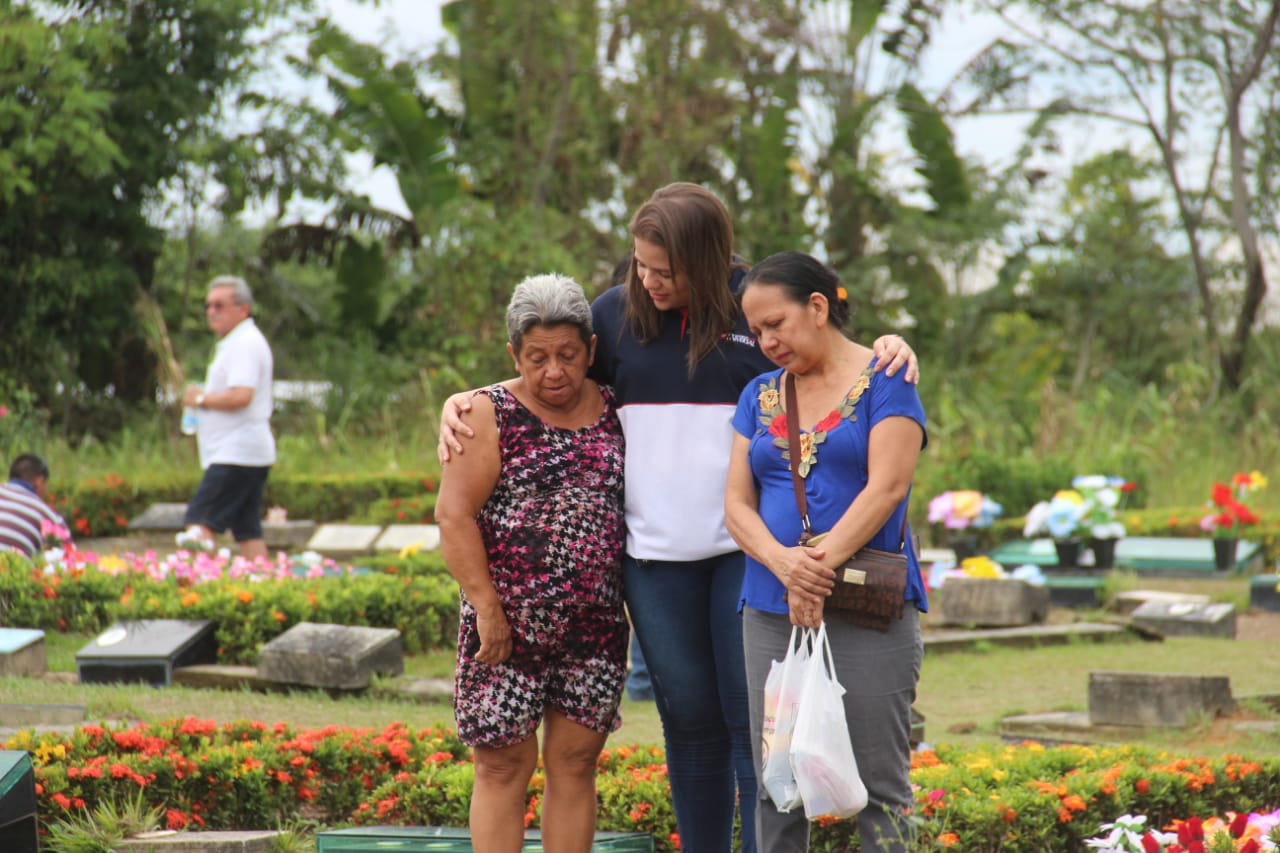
808 583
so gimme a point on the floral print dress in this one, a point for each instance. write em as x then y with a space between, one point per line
554 533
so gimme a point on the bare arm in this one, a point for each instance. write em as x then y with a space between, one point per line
892 352
228 400
466 484
799 569
892 453
452 425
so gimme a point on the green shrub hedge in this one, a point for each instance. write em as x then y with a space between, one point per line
252 775
414 594
103 506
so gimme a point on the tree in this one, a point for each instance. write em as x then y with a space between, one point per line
1108 266
1199 82
111 92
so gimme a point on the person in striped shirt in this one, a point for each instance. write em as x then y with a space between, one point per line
25 513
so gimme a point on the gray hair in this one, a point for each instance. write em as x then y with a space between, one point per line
239 288
547 300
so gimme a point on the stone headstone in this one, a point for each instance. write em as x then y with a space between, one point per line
288 535
993 602
344 539
1183 619
161 516
169 841
22 652
344 657
1130 600
146 651
929 556
400 536
18 803
1264 592
1156 699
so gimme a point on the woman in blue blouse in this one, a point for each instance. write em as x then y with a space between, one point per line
860 437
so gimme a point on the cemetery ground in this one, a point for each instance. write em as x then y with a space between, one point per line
963 694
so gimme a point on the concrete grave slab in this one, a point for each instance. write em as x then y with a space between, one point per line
216 676
169 841
344 539
1130 600
160 516
146 650
400 536
1025 636
993 602
1181 619
1156 699
22 652
15 715
343 657
288 535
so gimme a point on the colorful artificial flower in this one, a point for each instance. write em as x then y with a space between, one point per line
1089 507
1231 511
959 509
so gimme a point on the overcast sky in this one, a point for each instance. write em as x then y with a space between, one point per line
413 26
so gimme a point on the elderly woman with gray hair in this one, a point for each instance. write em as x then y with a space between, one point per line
532 528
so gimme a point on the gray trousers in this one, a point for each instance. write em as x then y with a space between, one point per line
879 674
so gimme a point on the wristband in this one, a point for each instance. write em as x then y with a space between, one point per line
200 400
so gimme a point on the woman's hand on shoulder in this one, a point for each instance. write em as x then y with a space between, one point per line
452 425
892 352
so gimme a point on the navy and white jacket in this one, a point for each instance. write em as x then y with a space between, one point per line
678 428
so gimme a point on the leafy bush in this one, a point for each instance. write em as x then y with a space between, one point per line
422 604
103 506
1011 798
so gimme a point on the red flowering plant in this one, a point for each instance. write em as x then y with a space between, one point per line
1230 510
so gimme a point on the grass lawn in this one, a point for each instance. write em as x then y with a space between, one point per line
963 695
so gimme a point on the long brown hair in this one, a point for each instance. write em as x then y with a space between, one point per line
692 225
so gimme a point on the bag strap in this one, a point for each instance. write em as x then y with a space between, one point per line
797 482
793 442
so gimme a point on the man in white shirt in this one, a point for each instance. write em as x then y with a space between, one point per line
25 514
234 407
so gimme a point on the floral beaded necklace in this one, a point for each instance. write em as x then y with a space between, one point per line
774 419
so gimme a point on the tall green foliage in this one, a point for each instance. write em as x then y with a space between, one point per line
107 96
1197 84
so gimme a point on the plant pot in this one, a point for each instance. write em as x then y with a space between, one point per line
1104 552
1224 553
1068 552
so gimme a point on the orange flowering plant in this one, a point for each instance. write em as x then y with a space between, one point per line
1230 510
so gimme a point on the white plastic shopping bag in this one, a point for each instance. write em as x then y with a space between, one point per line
781 696
821 751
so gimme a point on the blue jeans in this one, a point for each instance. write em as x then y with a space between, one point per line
686 618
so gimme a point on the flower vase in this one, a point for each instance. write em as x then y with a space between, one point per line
1224 553
1068 552
965 545
1104 552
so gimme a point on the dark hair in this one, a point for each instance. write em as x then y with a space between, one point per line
622 269
801 275
692 225
28 467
